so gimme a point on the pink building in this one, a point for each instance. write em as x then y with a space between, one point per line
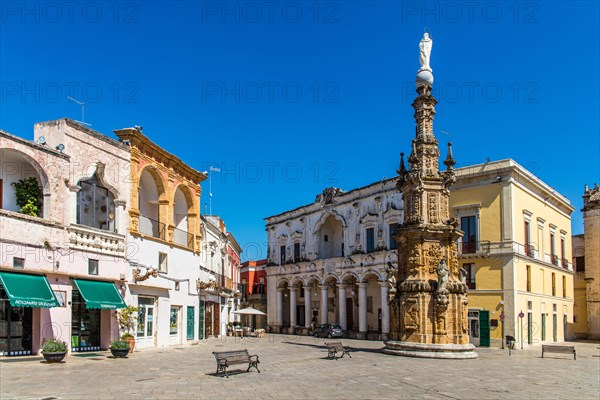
62 256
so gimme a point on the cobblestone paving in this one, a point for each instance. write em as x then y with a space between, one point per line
297 367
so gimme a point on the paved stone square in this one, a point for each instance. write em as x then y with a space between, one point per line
297 367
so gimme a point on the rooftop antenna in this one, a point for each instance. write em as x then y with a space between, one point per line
82 104
210 172
449 135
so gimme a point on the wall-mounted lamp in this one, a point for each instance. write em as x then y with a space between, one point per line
140 276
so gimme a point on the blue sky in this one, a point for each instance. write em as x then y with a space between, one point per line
288 98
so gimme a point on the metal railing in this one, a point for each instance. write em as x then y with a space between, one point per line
183 238
152 227
554 259
474 247
565 263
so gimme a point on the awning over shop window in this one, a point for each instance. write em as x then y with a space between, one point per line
103 295
26 290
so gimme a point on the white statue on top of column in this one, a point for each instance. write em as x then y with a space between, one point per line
425 52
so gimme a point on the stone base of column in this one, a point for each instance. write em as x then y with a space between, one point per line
361 335
384 337
425 350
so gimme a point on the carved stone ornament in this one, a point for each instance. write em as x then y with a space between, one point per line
328 195
411 314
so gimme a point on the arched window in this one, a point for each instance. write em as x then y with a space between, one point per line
95 206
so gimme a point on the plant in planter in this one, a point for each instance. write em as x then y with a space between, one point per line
54 350
119 348
127 318
29 195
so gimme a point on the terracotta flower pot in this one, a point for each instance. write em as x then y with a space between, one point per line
131 342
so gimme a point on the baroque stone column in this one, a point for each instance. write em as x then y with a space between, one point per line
307 307
362 310
323 306
279 319
342 306
431 292
293 319
385 309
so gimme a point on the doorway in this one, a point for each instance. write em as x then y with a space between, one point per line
85 332
190 323
474 327
16 325
145 326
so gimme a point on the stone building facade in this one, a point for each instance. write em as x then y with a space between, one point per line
586 257
327 261
118 224
77 242
516 252
491 203
219 292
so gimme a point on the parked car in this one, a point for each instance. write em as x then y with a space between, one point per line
329 330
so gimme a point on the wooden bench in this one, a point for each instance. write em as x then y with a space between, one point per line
336 347
227 358
559 349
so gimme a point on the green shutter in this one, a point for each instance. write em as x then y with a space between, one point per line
543 326
484 328
190 322
201 321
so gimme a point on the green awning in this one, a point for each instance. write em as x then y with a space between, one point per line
97 294
26 290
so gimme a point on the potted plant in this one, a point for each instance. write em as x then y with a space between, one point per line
127 319
29 196
119 348
54 350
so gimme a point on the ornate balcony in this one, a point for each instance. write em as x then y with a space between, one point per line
90 239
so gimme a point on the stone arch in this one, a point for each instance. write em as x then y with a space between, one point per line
184 215
98 170
326 215
371 272
297 280
328 277
40 173
350 274
313 278
283 283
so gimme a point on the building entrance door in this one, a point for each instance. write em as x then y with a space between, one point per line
474 327
554 327
190 322
15 328
300 316
217 316
145 326
208 319
349 315
201 320
85 332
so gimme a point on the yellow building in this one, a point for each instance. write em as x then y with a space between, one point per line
515 252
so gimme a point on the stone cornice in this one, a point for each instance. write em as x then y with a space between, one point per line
384 186
159 155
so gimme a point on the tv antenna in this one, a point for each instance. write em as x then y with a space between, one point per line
82 104
210 172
